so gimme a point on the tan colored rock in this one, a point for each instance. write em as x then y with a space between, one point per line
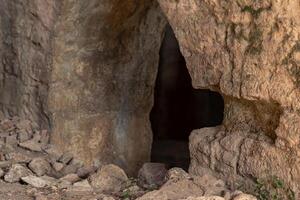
40 166
72 178
205 198
35 181
112 63
109 178
233 48
31 145
244 197
16 172
180 190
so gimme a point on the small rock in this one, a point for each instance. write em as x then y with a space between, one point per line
58 166
244 197
16 172
66 158
34 181
53 152
39 166
152 175
31 145
18 157
82 186
109 178
176 174
84 172
72 178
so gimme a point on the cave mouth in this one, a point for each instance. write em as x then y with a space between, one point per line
178 107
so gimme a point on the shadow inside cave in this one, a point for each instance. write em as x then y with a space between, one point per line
178 107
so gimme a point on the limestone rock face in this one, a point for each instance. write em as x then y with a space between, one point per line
249 52
26 31
104 68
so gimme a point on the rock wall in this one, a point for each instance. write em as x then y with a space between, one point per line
248 51
105 63
93 82
26 31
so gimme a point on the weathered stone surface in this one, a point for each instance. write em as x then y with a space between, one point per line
16 172
176 174
72 178
18 157
205 198
32 145
101 58
108 50
40 166
34 181
82 186
179 190
152 175
58 166
25 41
109 178
244 197
84 172
234 48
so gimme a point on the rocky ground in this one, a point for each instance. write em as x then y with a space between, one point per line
31 168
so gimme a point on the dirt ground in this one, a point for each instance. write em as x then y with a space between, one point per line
18 191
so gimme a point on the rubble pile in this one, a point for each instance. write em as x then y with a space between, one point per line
27 158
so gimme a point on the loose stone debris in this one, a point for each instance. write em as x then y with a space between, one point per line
40 171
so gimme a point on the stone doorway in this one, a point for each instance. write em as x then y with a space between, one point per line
178 107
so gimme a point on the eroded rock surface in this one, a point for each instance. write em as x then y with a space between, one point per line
247 51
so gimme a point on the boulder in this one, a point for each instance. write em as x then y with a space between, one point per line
16 172
40 166
109 178
152 175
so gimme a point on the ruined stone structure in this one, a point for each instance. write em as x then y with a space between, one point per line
86 70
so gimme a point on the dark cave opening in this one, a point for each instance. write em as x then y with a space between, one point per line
178 107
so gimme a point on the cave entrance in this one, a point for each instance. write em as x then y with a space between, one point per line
178 107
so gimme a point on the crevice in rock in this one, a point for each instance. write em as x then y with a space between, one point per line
178 107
